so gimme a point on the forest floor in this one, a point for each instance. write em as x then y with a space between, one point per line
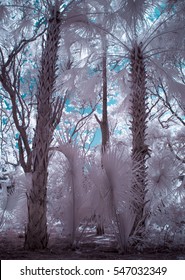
92 247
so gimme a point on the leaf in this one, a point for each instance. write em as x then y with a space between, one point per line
113 193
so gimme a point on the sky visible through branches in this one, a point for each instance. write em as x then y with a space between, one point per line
92 115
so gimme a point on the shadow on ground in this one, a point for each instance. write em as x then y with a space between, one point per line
91 248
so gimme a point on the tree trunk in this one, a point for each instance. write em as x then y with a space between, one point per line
104 122
138 128
36 232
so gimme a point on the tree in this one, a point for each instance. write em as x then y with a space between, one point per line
140 150
104 122
49 113
47 120
10 79
141 45
151 89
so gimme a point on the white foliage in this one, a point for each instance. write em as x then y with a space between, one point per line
14 204
178 89
88 88
175 88
133 11
75 194
23 184
163 170
103 192
113 193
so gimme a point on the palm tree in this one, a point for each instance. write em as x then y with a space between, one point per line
140 150
47 119
141 43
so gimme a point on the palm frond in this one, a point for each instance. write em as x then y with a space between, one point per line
113 193
14 201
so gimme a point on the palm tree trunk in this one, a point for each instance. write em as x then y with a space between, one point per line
36 232
138 128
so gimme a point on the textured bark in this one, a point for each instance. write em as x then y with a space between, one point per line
36 233
138 128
